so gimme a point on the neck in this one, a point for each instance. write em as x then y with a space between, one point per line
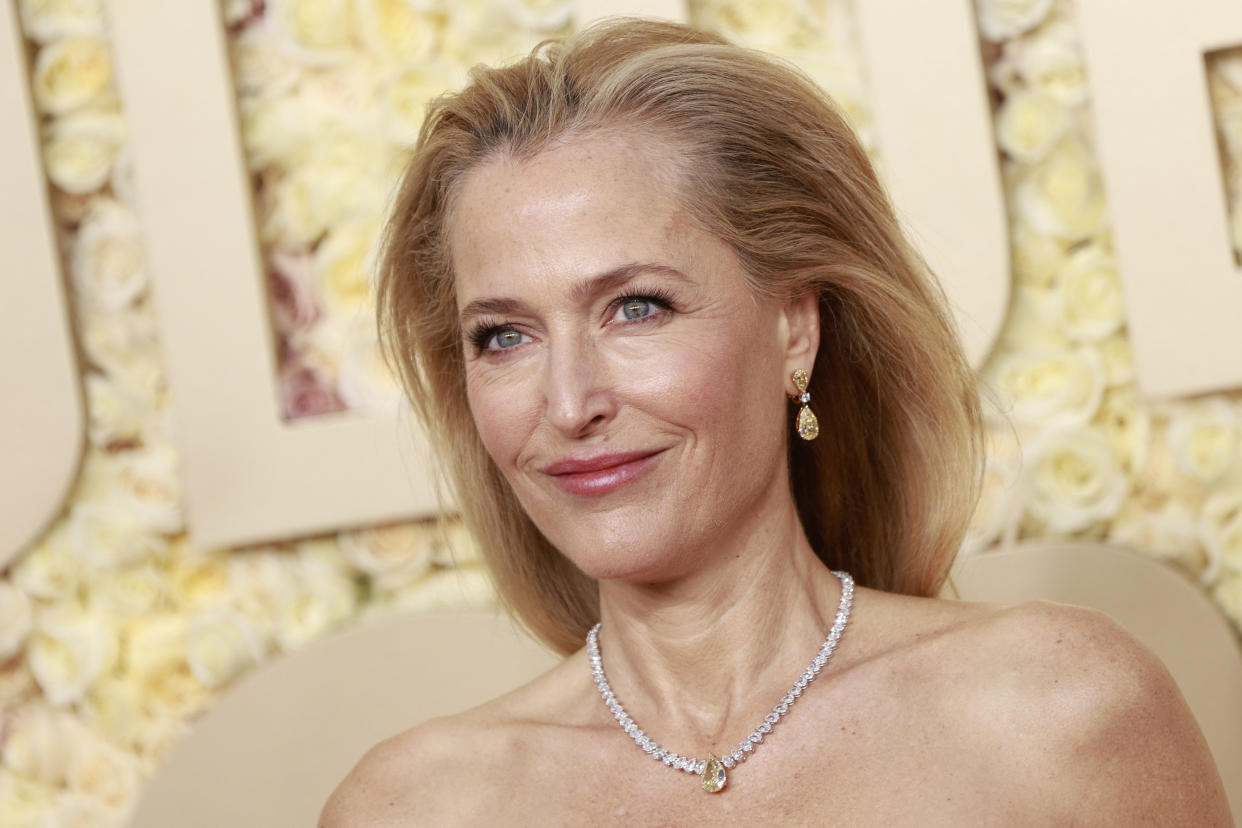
700 659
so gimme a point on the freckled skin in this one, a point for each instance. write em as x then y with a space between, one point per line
705 382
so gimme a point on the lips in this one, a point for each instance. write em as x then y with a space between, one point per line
601 473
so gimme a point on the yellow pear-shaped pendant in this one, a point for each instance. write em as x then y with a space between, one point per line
714 777
808 426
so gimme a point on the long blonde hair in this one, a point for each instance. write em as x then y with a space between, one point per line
771 168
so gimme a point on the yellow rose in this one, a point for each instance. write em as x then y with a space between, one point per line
1204 437
117 707
1049 387
260 580
48 20
107 260
80 148
1004 19
52 570
1050 60
396 29
1128 425
1074 479
344 262
1062 195
769 23
68 650
1092 303
405 96
315 31
1029 124
71 74
1118 358
1034 322
1168 532
102 774
394 555
16 619
318 605
221 644
274 130
198 579
37 742
128 591
1037 258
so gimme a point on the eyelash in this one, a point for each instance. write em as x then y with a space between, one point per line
483 332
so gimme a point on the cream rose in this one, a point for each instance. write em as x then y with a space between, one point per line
129 591
68 650
16 683
71 74
52 570
1049 387
199 579
318 605
342 179
152 489
463 587
1220 527
74 810
1118 358
1029 124
1204 438
16 619
365 383
221 644
37 742
318 32
1005 19
1062 195
406 93
1169 532
275 131
1034 322
107 260
399 30
552 15
344 263
1037 258
998 511
260 66
48 20
261 580
768 23
1051 61
117 707
115 410
117 342
102 774
107 534
1092 304
1127 423
80 148
454 545
393 555
1074 479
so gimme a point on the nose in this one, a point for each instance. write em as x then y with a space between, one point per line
577 389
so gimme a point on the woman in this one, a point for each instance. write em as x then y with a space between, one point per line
608 269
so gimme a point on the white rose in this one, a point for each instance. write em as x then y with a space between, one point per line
80 148
1127 423
769 23
552 15
1037 258
1118 357
199 579
343 98
1074 479
393 555
1169 532
221 644
260 67
107 534
1228 593
37 742
25 803
344 263
48 20
1092 303
321 556
1004 19
115 410
406 93
260 581
317 32
275 131
1051 61
1029 124
318 605
365 382
1062 195
117 707
52 570
399 30
997 513
107 261
152 489
71 74
1061 388
454 545
1220 528
117 342
1204 438
68 650
102 774
1034 322
16 619
463 587
127 592
153 644
74 810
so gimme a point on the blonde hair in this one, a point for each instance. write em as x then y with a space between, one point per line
770 167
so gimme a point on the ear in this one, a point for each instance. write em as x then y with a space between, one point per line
801 328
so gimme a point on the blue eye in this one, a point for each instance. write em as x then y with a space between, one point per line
635 308
505 338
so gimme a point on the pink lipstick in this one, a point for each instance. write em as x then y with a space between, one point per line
600 474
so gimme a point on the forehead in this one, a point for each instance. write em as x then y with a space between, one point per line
580 207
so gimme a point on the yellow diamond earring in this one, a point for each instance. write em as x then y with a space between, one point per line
808 425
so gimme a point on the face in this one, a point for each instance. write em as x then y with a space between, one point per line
621 373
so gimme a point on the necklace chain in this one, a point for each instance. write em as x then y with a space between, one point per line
747 745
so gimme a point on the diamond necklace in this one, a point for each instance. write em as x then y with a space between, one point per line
712 770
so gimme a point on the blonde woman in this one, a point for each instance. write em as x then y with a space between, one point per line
705 411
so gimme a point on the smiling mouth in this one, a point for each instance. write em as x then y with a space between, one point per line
602 474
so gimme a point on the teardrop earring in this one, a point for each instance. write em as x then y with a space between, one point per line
808 425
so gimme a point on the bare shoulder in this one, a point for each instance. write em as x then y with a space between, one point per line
448 770
1087 712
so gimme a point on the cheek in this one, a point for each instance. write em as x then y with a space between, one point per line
503 414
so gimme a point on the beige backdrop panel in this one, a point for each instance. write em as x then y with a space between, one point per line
41 433
249 475
1161 171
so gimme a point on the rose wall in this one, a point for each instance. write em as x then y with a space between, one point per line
115 632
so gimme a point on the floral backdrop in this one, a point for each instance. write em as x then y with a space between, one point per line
115 632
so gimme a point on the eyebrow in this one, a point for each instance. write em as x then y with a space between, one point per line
580 293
